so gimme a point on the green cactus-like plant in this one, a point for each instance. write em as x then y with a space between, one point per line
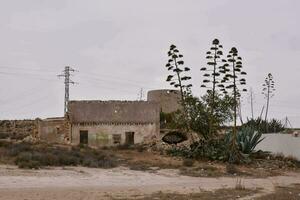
212 77
247 139
178 77
234 85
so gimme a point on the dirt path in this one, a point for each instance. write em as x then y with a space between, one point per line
88 183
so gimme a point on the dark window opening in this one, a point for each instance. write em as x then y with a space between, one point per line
117 138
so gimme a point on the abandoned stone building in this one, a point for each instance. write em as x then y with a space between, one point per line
109 123
52 130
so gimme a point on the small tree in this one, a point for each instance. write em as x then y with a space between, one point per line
212 77
268 91
178 77
234 82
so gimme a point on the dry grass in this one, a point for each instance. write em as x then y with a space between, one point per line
284 193
137 158
239 185
201 170
39 155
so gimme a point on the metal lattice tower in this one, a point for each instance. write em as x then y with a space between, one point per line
141 95
66 74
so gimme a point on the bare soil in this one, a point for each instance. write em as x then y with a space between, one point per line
259 168
147 175
291 192
219 194
74 183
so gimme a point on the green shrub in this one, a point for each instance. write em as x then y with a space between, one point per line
260 125
179 151
213 149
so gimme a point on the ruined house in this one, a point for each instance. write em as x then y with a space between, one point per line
109 123
52 130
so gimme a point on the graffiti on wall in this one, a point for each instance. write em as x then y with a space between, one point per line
102 138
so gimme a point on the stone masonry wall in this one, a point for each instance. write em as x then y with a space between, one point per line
169 100
52 130
103 134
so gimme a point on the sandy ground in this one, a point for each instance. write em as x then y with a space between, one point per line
74 183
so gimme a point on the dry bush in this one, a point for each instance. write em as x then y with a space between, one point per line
231 169
188 162
34 156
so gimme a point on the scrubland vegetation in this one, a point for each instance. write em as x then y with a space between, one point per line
34 156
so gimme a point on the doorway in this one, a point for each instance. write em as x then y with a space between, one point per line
84 137
129 138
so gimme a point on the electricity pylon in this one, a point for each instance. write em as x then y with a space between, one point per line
66 73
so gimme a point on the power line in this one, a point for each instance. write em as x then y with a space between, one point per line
21 96
104 77
28 69
31 76
104 87
117 80
66 74
114 77
27 105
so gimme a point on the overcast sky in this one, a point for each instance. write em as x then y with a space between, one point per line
119 47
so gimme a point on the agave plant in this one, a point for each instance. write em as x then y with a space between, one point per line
247 139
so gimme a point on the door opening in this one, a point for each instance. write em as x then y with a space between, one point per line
84 137
129 138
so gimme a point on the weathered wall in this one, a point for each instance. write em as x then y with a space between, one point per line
17 129
113 111
102 134
52 130
169 100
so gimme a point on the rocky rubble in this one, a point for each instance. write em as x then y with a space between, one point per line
17 129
